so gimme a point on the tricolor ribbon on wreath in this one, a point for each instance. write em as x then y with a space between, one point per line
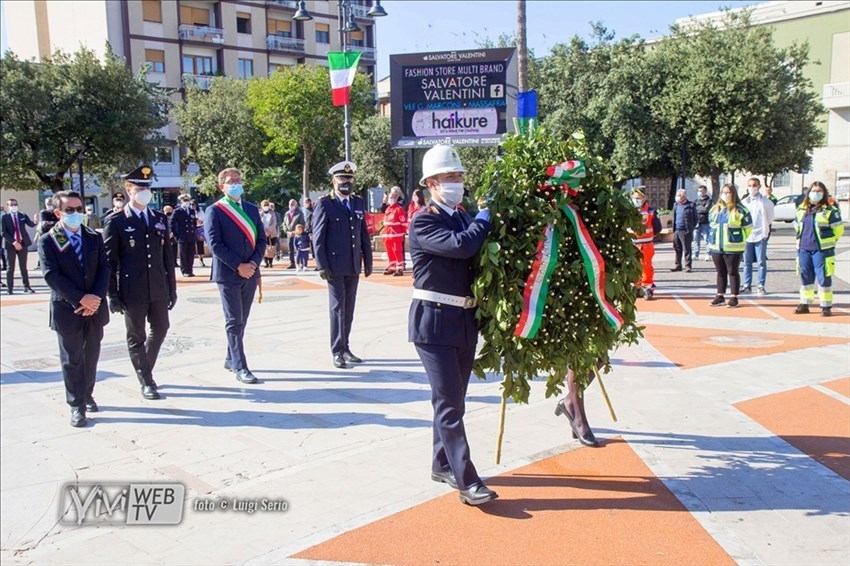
567 176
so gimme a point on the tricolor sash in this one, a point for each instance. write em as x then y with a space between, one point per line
238 215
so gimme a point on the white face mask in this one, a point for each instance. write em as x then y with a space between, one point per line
725 197
815 197
266 209
143 197
451 193
185 204
50 207
638 202
89 210
13 208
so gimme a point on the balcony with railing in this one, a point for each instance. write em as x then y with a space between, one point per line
201 33
291 4
359 11
203 82
368 52
283 43
836 95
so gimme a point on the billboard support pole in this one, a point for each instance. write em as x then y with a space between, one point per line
411 173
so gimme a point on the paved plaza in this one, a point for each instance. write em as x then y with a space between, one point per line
731 444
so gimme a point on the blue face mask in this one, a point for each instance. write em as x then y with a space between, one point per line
234 191
73 220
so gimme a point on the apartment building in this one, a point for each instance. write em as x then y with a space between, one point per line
189 41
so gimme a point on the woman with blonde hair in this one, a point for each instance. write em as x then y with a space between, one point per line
818 225
270 227
730 226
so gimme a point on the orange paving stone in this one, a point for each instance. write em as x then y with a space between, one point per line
811 421
661 303
841 386
18 302
701 306
587 506
696 347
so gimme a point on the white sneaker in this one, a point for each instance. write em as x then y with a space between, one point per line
708 258
761 291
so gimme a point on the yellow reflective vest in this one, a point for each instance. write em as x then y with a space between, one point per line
828 226
729 229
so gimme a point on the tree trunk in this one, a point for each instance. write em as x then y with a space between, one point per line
522 51
671 195
305 172
714 175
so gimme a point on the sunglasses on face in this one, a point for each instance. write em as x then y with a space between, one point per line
73 209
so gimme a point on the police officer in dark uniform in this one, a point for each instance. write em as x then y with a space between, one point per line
342 248
117 206
75 267
183 223
142 286
443 244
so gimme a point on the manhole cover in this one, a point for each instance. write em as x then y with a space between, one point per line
37 363
743 341
172 345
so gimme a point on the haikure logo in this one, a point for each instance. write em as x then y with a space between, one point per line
124 504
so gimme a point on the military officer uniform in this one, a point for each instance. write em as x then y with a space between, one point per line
142 285
235 236
183 224
70 279
342 250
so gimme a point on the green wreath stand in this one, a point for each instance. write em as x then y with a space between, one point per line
555 282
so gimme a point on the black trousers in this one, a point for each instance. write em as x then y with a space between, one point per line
79 352
187 255
291 245
3 257
342 292
200 245
448 371
144 347
21 257
727 266
682 240
236 299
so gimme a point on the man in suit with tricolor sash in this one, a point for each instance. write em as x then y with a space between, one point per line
234 233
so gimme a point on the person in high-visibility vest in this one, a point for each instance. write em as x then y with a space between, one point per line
731 225
394 230
644 242
818 225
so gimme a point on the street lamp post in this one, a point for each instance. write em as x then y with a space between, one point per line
347 24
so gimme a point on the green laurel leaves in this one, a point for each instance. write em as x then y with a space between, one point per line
573 332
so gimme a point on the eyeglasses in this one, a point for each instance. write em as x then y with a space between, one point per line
72 209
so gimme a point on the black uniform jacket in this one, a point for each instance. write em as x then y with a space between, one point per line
443 252
69 280
341 240
141 257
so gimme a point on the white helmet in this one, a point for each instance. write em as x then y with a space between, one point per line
440 159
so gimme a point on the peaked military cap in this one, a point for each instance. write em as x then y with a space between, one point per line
141 176
118 195
343 169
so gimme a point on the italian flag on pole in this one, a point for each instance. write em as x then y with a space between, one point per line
343 67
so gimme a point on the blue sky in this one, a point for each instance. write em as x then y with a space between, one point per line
444 25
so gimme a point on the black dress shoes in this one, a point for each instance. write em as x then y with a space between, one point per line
588 439
349 357
227 365
29 290
339 361
245 376
478 495
91 406
78 417
150 392
445 477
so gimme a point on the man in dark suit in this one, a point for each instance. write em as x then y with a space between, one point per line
235 234
443 244
142 286
75 266
342 248
17 241
183 223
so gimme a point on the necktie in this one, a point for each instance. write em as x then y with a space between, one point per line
347 206
17 227
76 241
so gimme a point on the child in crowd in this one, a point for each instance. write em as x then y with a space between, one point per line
302 247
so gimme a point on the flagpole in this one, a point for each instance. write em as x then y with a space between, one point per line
341 5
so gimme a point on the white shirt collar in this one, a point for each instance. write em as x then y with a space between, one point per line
137 212
448 210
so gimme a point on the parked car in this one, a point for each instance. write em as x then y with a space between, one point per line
785 209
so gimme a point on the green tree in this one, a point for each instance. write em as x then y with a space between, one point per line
218 128
70 106
277 184
293 107
377 162
740 101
